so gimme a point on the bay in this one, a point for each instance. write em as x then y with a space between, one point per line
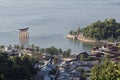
51 20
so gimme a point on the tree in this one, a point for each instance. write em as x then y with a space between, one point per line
106 21
112 21
71 32
101 30
17 46
51 50
75 33
79 30
2 46
105 71
16 68
37 48
67 53
60 50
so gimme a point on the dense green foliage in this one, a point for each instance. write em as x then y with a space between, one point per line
55 51
16 68
52 50
106 71
100 30
78 31
67 53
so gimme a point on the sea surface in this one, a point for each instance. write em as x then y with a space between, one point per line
51 20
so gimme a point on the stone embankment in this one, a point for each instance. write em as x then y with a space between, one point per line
82 38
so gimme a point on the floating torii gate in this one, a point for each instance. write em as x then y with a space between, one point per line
24 37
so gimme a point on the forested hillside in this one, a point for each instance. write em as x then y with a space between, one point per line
103 30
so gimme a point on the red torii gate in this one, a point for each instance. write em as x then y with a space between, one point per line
24 36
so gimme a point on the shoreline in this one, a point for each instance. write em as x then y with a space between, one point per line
83 39
80 38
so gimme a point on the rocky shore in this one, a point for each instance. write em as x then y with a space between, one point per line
82 38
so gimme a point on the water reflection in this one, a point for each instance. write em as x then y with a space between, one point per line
79 46
88 46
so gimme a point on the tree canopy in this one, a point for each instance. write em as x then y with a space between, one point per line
102 30
55 51
78 31
52 50
106 71
16 68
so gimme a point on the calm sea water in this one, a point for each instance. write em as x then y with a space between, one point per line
51 20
